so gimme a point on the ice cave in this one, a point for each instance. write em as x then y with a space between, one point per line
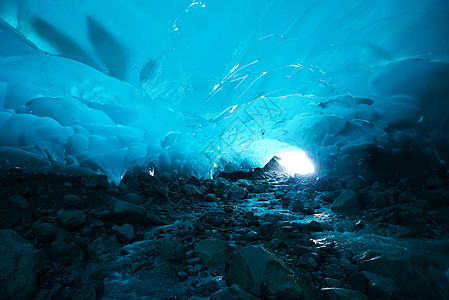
224 149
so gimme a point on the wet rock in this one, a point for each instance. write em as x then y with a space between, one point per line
314 226
19 265
127 212
72 218
125 233
44 232
332 282
381 287
358 282
376 200
96 248
172 251
234 292
237 192
261 273
73 201
342 294
213 252
333 271
415 274
134 198
19 201
89 290
347 202
92 181
251 236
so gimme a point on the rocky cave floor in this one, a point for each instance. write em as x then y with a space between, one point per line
267 237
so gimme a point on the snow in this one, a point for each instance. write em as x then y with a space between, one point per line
190 88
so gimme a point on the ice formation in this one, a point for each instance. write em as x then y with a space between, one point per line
190 88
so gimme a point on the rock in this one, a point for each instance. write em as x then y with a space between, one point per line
261 273
73 201
414 273
332 282
346 203
376 200
234 292
172 251
44 232
19 265
333 271
125 233
127 212
182 275
251 236
213 252
72 218
237 192
91 181
19 201
342 294
296 206
314 226
381 287
358 282
96 248
134 198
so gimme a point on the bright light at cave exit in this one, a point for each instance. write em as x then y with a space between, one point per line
296 162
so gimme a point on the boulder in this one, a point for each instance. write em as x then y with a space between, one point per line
234 292
347 202
381 287
415 274
261 273
213 252
125 233
342 294
96 248
72 218
172 251
44 232
73 201
126 212
19 201
20 264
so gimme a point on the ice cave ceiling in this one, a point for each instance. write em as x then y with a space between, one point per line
189 88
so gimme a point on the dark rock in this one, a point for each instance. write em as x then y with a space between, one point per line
358 282
44 232
134 198
72 218
332 282
314 226
342 294
96 248
333 271
251 236
19 201
261 273
237 192
234 292
92 181
346 203
20 265
172 251
213 252
415 274
376 200
73 201
127 212
381 287
125 233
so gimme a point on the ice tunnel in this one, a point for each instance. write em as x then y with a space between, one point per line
192 88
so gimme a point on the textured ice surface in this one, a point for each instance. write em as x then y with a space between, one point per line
191 87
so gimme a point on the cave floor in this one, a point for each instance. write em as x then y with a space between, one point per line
176 238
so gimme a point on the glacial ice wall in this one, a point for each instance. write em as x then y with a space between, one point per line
190 88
